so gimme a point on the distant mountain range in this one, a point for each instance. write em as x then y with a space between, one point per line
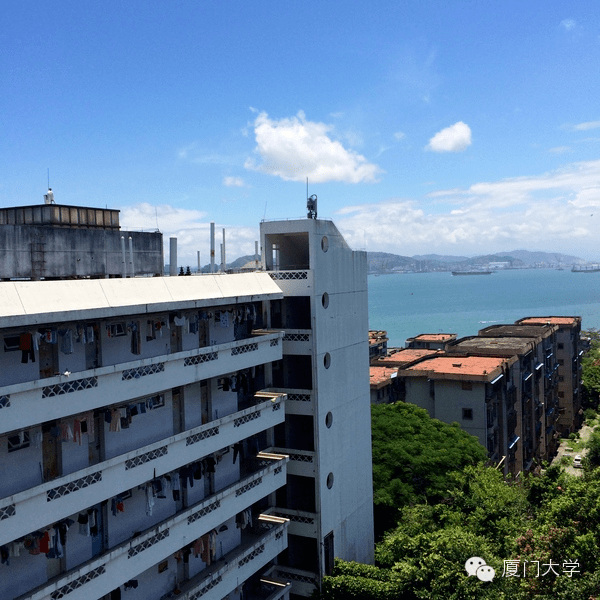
384 262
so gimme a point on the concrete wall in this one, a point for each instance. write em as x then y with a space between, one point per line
34 252
451 399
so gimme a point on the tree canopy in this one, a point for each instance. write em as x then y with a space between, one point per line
414 457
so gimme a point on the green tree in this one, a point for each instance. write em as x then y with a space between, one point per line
413 458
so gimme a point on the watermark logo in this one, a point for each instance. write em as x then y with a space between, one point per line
512 568
477 567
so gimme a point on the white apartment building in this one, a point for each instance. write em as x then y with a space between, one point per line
325 373
187 437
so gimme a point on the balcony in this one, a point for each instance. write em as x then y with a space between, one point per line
297 341
48 503
302 462
102 574
294 282
301 522
298 402
224 575
28 404
304 583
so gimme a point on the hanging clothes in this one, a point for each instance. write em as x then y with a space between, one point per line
26 347
224 319
175 485
149 499
84 524
136 342
66 344
115 420
66 434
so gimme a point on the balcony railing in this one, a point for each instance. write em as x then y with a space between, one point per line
297 341
37 401
48 503
102 574
298 402
301 522
302 462
297 282
224 575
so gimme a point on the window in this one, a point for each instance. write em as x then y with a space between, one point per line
560 346
467 414
156 401
561 362
11 343
18 441
117 330
466 385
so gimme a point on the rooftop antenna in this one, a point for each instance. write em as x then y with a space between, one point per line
49 195
265 215
311 207
156 215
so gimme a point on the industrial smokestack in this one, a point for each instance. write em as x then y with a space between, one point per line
224 254
131 269
256 255
124 264
212 247
199 267
173 257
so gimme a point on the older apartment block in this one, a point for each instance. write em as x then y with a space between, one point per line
515 387
183 436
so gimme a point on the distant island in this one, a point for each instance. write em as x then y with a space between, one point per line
380 263
383 262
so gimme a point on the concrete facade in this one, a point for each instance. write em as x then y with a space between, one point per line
250 390
141 409
58 242
326 357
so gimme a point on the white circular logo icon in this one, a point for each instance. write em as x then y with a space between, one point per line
473 564
485 573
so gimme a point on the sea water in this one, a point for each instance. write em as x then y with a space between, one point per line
409 304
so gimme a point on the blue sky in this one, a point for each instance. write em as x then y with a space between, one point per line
457 127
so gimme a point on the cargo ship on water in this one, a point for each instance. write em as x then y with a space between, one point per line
471 272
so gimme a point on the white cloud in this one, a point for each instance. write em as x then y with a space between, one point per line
560 149
550 212
233 182
399 135
583 126
294 148
191 230
455 138
568 24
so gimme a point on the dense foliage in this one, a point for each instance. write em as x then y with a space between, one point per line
590 377
414 457
553 520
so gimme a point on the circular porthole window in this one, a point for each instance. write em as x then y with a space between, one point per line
327 360
330 480
325 300
328 420
325 244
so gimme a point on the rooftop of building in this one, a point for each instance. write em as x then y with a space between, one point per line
381 376
433 337
403 356
60 215
26 303
481 368
377 337
549 321
518 330
499 346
